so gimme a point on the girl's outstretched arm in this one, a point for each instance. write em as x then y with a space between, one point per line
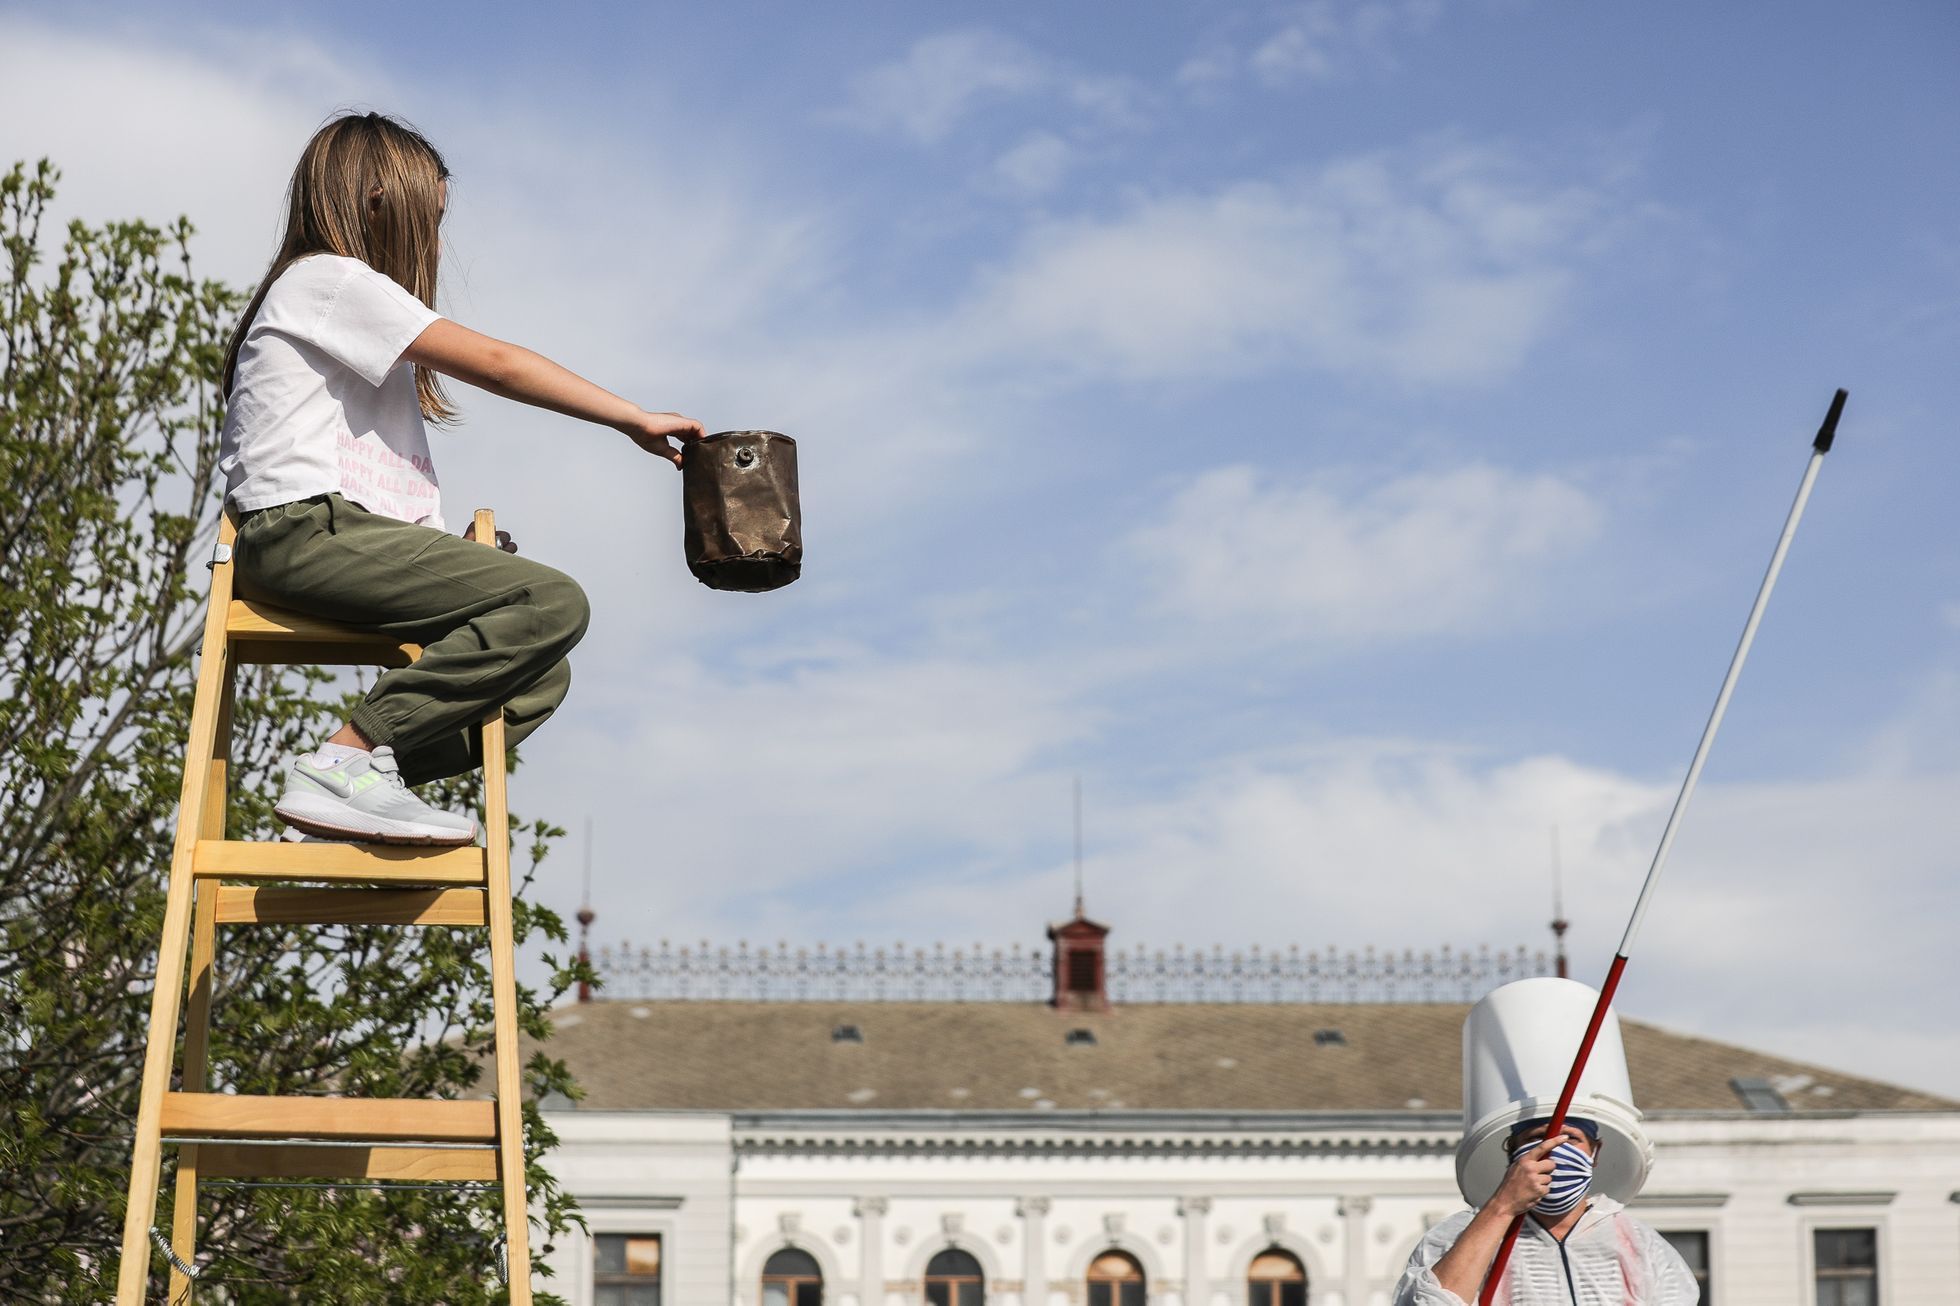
518 373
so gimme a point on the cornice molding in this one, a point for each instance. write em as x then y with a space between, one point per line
1385 1123
953 1144
1090 1133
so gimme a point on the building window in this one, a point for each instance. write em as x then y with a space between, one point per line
953 1278
1276 1279
1759 1095
626 1269
1693 1246
1847 1266
792 1278
1115 1279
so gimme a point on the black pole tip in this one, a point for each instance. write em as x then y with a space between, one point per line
1828 431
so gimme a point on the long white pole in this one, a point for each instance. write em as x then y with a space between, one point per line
1818 448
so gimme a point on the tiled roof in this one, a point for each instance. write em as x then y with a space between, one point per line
997 1056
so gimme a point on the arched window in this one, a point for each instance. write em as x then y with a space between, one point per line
1115 1279
792 1278
1276 1279
953 1278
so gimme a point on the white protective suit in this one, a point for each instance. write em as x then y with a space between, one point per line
1609 1259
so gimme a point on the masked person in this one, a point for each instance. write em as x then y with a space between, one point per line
1577 1245
1576 1248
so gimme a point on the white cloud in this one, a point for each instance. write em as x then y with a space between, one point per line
1323 40
1110 101
1441 268
1356 843
1302 48
950 76
1036 165
1789 907
1925 735
776 800
944 77
1206 70
236 119
1762 931
1326 842
1421 554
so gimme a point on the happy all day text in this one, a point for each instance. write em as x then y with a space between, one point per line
372 473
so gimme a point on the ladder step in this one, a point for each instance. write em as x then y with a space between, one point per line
331 1161
372 863
350 1119
307 653
241 905
263 633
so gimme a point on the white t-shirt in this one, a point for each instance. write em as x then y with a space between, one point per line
322 402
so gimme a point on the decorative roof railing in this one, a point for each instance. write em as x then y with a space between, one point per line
707 973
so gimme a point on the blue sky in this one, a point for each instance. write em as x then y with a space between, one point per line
1347 436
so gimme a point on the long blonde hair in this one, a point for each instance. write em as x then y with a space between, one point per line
368 187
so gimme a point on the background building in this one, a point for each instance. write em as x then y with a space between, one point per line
1196 1129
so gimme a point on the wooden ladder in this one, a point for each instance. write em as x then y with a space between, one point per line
244 1137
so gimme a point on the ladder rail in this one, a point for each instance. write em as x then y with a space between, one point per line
146 1160
196 1074
503 986
197 1011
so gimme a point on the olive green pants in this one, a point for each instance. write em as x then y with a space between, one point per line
494 627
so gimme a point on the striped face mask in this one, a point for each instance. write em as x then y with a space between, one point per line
1572 1173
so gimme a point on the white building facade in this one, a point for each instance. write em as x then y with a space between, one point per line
1192 1202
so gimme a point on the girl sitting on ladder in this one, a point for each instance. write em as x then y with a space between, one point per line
330 376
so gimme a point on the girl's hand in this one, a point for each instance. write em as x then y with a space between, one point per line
654 432
504 541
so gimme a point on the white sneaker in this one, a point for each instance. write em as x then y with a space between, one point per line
293 834
363 797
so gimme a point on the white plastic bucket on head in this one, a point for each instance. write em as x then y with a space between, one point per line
1518 1046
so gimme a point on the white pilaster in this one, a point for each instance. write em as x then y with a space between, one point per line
871 1250
1197 1275
1034 1243
1354 1211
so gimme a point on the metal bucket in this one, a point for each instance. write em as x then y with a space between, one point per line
1518 1045
743 519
